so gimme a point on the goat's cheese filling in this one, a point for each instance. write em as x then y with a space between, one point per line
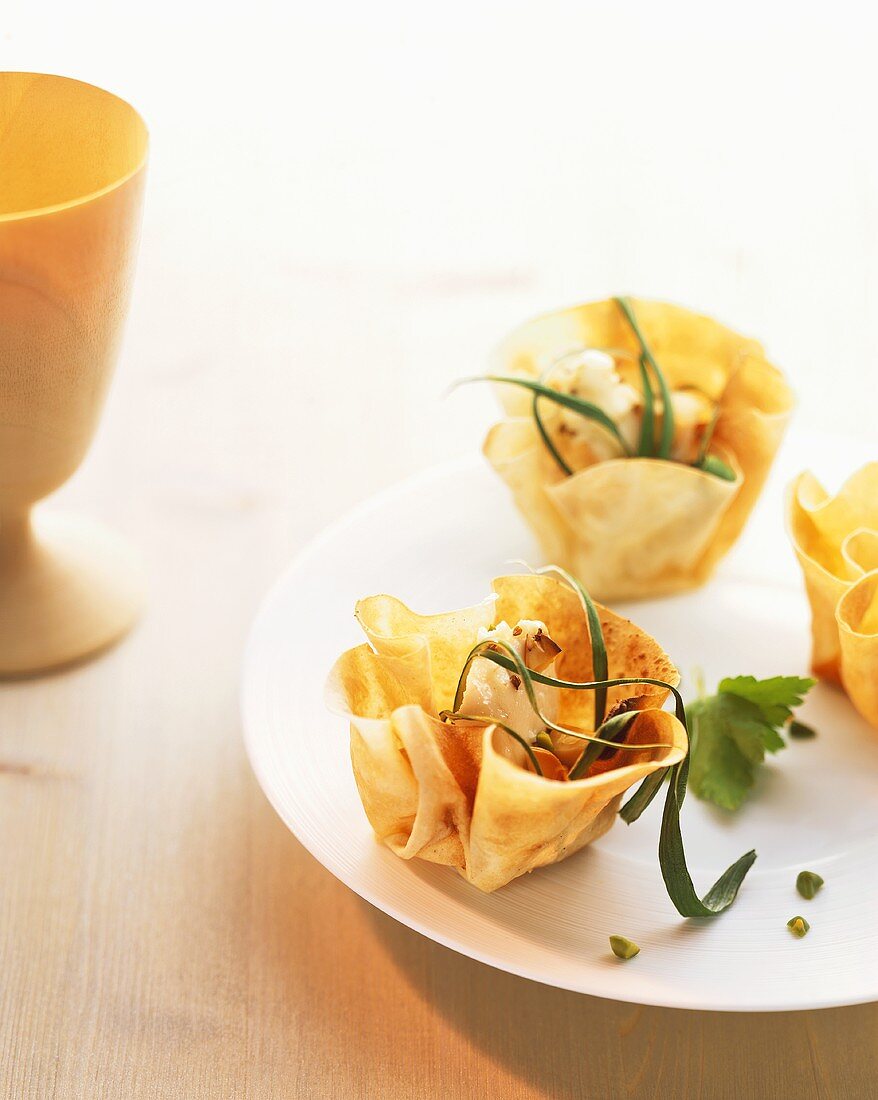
493 692
593 375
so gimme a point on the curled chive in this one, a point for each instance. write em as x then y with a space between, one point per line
586 409
713 465
545 435
672 856
592 685
599 659
614 729
667 433
487 720
709 463
644 794
646 445
544 431
492 649
584 685
808 883
623 948
547 439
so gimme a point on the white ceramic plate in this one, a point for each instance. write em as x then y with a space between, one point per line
436 541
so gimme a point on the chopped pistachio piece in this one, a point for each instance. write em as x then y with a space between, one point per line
798 926
623 948
808 883
800 732
540 650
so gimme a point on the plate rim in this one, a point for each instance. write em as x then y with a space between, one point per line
249 681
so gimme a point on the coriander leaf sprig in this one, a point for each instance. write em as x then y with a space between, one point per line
734 729
776 696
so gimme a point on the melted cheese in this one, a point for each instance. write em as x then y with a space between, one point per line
592 375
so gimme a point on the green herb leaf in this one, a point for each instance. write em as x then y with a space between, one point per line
776 697
730 737
734 729
667 434
586 409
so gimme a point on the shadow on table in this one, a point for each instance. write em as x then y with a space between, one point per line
569 1045
373 1009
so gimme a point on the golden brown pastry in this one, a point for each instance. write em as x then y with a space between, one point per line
836 542
462 790
645 504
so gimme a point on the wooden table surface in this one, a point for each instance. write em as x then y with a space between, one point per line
337 225
163 935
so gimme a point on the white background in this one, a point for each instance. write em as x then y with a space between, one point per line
349 203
